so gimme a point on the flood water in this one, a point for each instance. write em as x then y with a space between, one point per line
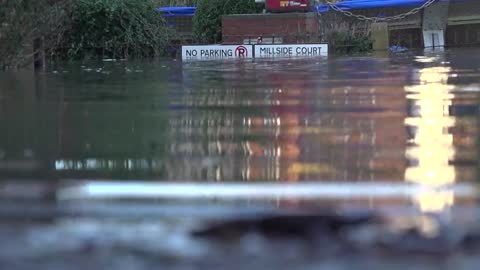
135 154
405 118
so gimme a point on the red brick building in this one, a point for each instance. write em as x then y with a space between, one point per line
273 28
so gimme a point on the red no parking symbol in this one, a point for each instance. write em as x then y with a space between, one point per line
241 51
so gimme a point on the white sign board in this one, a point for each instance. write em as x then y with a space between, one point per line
433 38
287 50
205 52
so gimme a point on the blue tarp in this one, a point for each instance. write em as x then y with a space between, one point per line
366 4
177 11
345 5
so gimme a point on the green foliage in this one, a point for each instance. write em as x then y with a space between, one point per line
208 17
80 28
347 43
115 28
21 21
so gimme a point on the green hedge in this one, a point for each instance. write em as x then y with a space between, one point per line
115 28
22 21
347 43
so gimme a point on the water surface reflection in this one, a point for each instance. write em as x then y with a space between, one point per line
431 148
404 117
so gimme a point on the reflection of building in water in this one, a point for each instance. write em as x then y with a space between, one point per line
281 124
431 147
235 123
334 132
292 126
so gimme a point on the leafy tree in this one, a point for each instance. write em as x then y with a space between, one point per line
80 28
115 28
22 21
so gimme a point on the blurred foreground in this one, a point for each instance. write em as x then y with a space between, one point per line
84 226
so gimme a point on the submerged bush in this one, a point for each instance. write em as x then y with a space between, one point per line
345 43
207 25
114 28
22 21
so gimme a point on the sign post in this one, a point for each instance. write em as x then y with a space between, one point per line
210 52
219 52
291 50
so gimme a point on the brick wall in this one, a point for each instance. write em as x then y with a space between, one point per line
290 27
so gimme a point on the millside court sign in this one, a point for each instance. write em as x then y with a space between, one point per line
210 52
217 52
287 50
